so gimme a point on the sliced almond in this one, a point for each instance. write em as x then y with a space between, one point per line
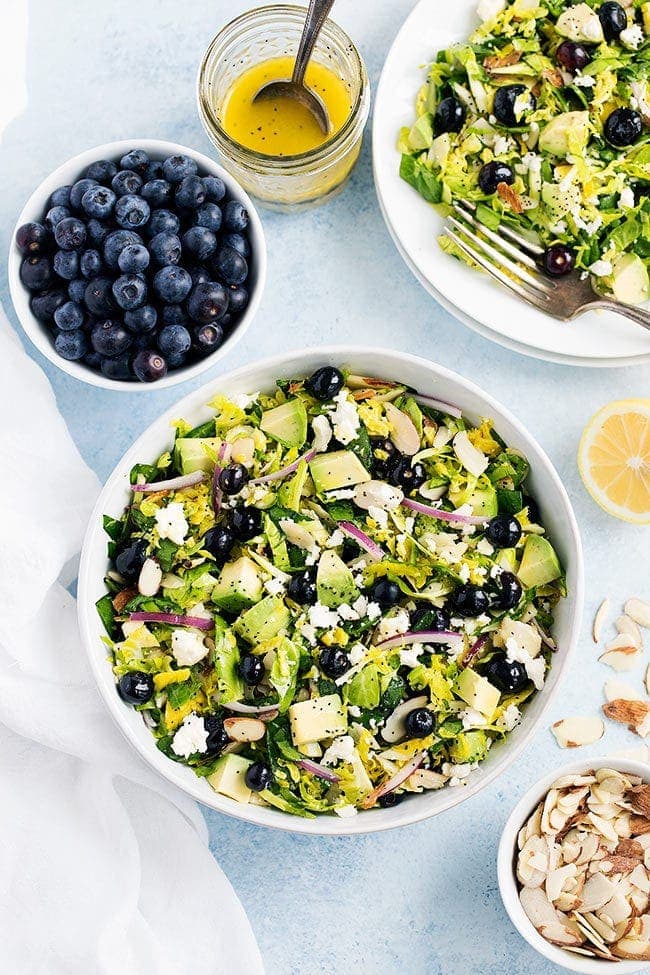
639 611
615 688
150 578
599 619
632 949
624 624
639 796
623 658
631 713
427 779
577 731
244 729
403 431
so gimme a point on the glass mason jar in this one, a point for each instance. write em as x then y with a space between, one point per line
283 182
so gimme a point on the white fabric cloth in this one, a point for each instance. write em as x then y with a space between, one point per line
105 867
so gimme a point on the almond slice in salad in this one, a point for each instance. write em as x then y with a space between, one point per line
578 731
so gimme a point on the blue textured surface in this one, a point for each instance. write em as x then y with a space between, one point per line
423 900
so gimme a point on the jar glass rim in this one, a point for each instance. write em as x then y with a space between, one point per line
273 161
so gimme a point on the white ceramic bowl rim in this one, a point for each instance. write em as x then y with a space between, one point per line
508 884
70 171
113 497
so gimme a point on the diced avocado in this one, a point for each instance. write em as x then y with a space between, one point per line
421 134
484 502
286 423
229 777
191 453
339 469
238 586
439 151
469 746
263 621
321 717
539 563
565 133
507 559
580 23
561 200
334 581
477 692
629 281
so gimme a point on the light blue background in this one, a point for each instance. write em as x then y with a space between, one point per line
423 900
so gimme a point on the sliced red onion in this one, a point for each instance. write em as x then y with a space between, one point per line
240 708
318 770
422 636
425 509
173 484
437 404
217 493
395 781
174 619
289 469
366 543
475 650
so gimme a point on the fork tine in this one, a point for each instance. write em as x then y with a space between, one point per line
533 249
535 281
515 252
521 290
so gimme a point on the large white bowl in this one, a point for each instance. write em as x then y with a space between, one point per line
425 377
508 883
599 338
73 170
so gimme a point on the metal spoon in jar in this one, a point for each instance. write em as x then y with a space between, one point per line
296 88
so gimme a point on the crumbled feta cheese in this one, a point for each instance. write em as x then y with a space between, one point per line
501 145
373 612
484 547
341 750
393 625
171 523
378 515
584 81
321 617
559 228
313 556
243 400
357 653
347 612
345 419
510 717
409 656
532 138
309 633
322 433
345 812
342 494
336 538
626 199
534 666
360 605
409 525
275 586
354 711
463 572
472 719
632 37
200 611
188 647
191 737
601 269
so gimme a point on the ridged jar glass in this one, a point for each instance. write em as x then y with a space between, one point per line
283 182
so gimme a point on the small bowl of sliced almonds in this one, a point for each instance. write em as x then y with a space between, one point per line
574 866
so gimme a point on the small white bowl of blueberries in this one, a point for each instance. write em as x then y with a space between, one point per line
137 265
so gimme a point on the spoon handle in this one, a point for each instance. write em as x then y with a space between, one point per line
316 17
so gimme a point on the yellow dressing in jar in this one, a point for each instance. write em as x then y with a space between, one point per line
282 126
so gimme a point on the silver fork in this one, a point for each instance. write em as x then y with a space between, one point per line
513 261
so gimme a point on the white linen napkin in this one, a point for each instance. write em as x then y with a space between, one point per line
105 867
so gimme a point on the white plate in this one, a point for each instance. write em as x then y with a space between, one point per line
597 339
421 375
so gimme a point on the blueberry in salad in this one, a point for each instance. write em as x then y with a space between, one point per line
307 630
541 121
130 249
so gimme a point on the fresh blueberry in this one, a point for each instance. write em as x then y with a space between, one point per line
165 248
419 723
55 215
141 320
302 588
115 243
174 339
207 303
450 116
77 290
135 687
130 560
91 263
238 242
251 669
512 103
334 662
235 216
230 266
93 360
508 591
199 242
215 188
407 475
163 222
142 341
207 339
154 170
97 231
176 359
70 233
199 275
503 531
623 127
98 296
132 211
133 259
32 238
558 260
157 192
148 366
36 272
176 168
77 191
233 478
493 174
507 676
613 20
130 291
44 305
238 300
219 542
427 617
110 338
209 215
385 456
469 600
126 183
71 345
69 316
390 799
103 171
173 315
258 777
60 197
217 735
572 56
245 523
119 368
98 202
66 264
190 192
325 383
172 284
385 592
136 159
